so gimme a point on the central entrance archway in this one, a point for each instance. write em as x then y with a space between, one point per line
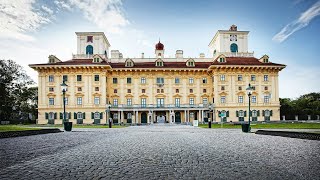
144 118
177 117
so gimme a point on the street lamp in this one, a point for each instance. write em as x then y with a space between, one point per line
109 114
210 109
64 89
249 93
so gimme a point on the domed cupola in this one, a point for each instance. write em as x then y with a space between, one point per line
159 51
159 46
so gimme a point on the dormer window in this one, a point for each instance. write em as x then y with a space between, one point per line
51 60
222 59
265 60
129 63
190 63
96 60
159 63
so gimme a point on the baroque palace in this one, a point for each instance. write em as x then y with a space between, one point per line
102 84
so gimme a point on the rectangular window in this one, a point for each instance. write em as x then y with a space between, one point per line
79 88
129 80
143 90
51 78
115 115
51 101
96 88
158 90
160 102
143 102
253 99
115 80
177 90
160 80
190 80
205 101
79 115
222 77
162 90
96 100
115 102
129 102
253 77
176 80
115 91
191 90
79 100
65 78
266 99
191 101
239 77
204 90
265 78
204 80
222 88
143 80
240 88
253 87
51 89
266 88
96 77
240 99
79 78
223 99
177 102
129 91
96 115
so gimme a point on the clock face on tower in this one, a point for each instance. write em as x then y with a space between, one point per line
233 37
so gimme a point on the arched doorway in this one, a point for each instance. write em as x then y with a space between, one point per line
234 47
178 117
89 49
144 117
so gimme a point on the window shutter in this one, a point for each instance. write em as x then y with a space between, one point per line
75 115
227 113
55 115
237 113
101 115
250 113
219 112
84 115
262 112
69 117
245 113
92 115
61 115
47 115
258 113
271 113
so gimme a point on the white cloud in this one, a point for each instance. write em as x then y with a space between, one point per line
46 9
17 18
304 19
63 5
106 14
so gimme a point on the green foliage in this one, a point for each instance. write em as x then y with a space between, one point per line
268 126
308 104
17 98
5 128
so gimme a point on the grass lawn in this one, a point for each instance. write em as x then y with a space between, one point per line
82 126
5 128
269 126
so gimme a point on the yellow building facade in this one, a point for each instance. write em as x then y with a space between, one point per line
103 85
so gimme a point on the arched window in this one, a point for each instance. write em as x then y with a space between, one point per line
89 49
234 47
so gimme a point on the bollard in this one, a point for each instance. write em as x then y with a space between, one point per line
110 123
209 123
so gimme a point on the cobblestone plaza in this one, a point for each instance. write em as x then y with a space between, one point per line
158 152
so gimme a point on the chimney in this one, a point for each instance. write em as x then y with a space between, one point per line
142 55
179 54
202 55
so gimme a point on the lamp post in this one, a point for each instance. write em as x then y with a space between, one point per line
210 109
249 92
64 89
109 113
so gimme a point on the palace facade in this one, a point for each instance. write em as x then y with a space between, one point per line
102 84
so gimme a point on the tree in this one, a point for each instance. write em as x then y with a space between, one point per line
15 92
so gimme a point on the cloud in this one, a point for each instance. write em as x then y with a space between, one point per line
19 17
303 21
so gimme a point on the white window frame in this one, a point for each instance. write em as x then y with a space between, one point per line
50 115
222 77
254 99
253 77
223 99
266 99
115 115
240 77
204 100
265 78
204 80
51 78
177 102
143 80
240 99
96 115
177 80
191 80
143 102
191 101
160 80
79 115
79 100
129 102
96 100
115 102
51 101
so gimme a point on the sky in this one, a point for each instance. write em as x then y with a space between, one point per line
287 31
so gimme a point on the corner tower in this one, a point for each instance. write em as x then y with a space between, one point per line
230 43
92 43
